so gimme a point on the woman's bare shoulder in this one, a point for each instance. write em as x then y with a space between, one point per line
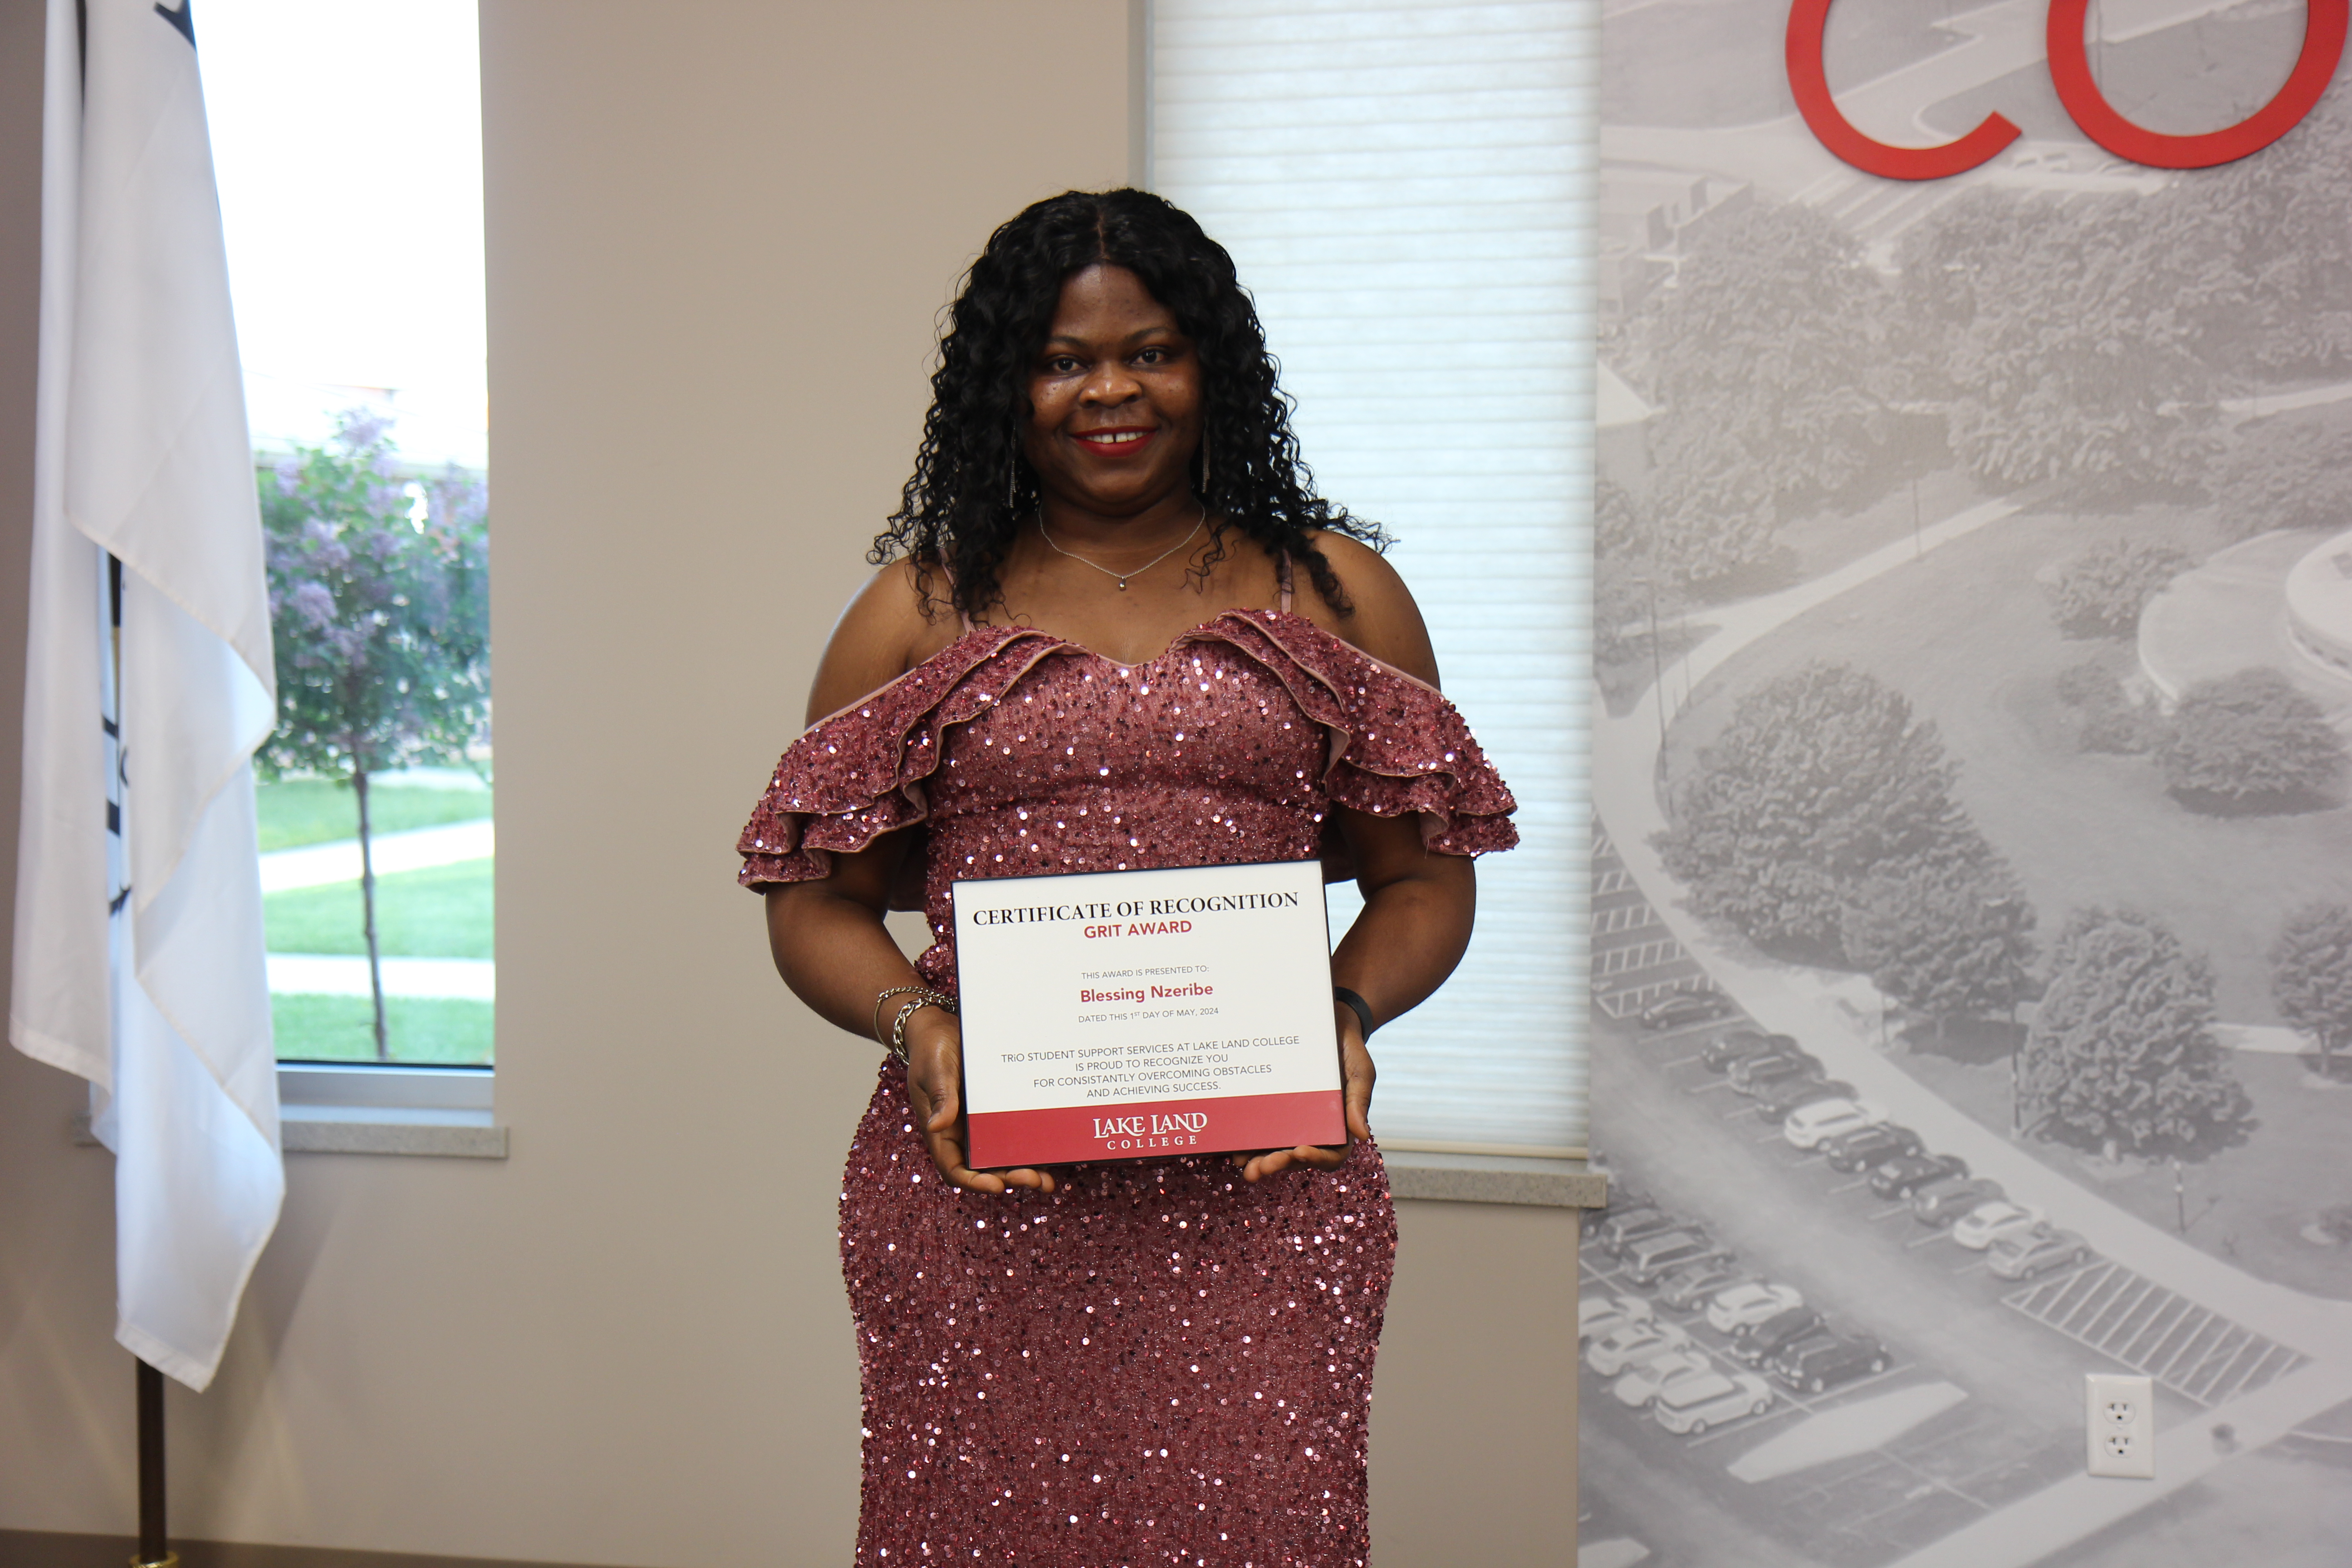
1385 622
891 625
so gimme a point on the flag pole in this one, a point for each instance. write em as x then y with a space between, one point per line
152 1552
135 303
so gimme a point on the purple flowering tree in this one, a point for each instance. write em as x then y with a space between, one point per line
379 600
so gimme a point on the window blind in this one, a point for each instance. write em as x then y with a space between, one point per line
1408 189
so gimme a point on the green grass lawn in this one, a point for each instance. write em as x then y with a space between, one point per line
295 812
444 912
419 1030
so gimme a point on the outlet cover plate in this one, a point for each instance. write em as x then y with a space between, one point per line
2119 1421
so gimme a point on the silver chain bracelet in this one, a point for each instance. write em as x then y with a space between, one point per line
915 1003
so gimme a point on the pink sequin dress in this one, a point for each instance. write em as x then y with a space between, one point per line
1158 1364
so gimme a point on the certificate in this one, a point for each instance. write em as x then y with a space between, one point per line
1123 1014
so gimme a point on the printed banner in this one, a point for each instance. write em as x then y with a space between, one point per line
1972 864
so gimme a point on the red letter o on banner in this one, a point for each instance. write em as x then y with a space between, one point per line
1810 81
2070 72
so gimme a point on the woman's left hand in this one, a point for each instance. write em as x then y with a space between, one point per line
1356 1076
1412 931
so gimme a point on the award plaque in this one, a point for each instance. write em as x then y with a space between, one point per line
1124 1014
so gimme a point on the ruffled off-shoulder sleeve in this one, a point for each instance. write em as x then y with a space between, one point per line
1395 745
855 775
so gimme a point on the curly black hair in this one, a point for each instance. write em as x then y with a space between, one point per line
971 486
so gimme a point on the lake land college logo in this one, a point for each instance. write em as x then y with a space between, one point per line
2070 73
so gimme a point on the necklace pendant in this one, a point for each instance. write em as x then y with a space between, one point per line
1122 585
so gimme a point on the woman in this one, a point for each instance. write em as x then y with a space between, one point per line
1114 629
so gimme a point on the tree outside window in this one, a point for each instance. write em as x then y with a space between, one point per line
379 601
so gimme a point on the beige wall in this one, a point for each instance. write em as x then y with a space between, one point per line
719 234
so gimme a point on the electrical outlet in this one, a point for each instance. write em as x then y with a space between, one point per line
2119 1417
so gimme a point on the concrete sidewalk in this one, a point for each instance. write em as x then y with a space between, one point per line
419 850
338 974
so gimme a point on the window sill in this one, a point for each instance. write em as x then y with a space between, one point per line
1495 1179
329 1109
356 1130
367 1130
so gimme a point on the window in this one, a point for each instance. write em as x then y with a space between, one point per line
1407 187
347 144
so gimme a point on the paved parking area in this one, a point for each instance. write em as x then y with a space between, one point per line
2012 1353
1635 962
2197 1353
1684 1134
1847 1512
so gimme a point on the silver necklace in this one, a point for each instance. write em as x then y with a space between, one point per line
1122 576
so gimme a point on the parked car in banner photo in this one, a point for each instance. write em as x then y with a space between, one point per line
1754 1075
1899 1178
1643 1381
1761 1344
1688 1287
1621 1201
1981 1226
1745 1305
1942 1202
1613 1353
1788 1097
1653 1258
1868 1146
2036 1252
1736 1044
1807 1125
1623 1228
1685 1009
1598 1315
1819 1362
1694 1405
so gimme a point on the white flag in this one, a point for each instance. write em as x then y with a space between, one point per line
139 940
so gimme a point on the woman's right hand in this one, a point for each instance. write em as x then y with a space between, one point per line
935 1089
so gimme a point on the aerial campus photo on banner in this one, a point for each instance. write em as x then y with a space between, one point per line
1972 952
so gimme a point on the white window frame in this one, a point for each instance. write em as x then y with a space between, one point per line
366 1107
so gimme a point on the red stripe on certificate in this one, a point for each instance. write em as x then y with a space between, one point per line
1140 1130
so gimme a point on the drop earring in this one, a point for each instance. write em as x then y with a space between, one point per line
1204 465
1012 481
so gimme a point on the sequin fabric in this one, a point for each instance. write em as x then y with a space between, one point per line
1160 1363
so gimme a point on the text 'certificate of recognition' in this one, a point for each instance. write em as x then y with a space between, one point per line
1117 1015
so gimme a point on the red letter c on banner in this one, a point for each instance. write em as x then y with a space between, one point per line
2070 72
1810 81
